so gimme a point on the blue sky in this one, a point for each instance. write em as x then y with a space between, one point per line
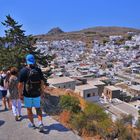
39 16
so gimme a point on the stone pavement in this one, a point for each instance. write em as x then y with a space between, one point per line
12 130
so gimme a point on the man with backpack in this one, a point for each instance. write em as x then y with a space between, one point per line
30 87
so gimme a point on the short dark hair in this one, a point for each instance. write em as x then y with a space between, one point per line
14 71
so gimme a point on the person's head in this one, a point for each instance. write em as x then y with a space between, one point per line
30 60
8 73
4 70
14 71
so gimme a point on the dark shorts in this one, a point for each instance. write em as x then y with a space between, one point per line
4 93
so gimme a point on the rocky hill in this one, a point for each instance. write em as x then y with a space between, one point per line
86 35
54 31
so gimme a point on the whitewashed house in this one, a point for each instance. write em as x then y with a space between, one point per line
62 82
88 92
99 84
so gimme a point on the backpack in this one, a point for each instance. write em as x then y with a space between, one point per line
2 80
33 83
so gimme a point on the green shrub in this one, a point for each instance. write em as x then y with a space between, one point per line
105 41
127 119
122 131
129 37
126 47
78 121
138 121
138 124
70 103
94 111
93 120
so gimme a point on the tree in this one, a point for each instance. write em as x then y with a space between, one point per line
16 45
129 37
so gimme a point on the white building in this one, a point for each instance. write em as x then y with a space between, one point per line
99 84
114 38
62 82
111 92
135 90
118 107
88 92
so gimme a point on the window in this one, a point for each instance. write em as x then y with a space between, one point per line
88 95
93 94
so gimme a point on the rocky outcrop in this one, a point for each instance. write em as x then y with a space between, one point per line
55 31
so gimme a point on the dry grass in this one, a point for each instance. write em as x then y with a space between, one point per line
93 138
135 133
64 118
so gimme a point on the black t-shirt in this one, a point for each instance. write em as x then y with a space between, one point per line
23 77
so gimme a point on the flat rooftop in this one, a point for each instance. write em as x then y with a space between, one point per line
85 87
112 88
127 108
103 78
59 80
95 82
136 80
135 103
123 108
135 87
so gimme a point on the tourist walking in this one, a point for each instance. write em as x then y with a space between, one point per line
14 96
31 86
3 89
6 83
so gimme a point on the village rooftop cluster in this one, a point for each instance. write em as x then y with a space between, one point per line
107 72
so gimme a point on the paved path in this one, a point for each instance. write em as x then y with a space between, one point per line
12 130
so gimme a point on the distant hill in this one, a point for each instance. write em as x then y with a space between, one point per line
86 35
54 31
111 30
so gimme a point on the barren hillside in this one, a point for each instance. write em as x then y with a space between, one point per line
86 35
